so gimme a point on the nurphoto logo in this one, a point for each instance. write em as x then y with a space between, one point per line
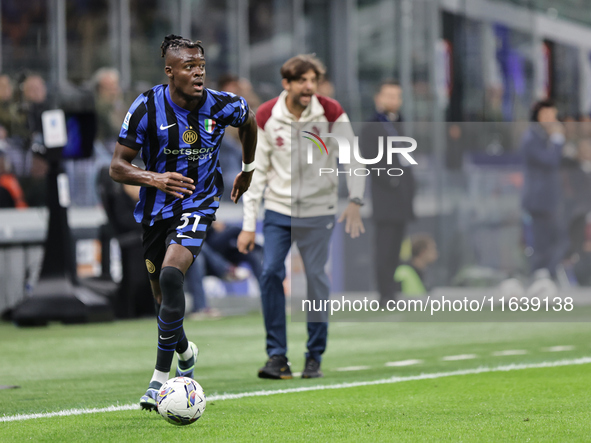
395 145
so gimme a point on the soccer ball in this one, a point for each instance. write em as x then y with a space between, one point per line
181 401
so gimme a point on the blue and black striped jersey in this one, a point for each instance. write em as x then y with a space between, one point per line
173 139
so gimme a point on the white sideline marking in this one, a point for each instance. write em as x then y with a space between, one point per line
352 368
219 397
559 348
459 357
68 412
510 352
403 363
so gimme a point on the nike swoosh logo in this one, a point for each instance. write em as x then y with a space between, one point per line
167 338
166 127
183 236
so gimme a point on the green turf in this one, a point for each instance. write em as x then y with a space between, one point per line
63 367
550 404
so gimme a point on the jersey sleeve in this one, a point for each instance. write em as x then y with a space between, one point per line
235 112
135 125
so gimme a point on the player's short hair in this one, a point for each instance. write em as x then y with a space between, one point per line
174 42
420 243
297 66
535 110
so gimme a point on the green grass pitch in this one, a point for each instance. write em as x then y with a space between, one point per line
96 366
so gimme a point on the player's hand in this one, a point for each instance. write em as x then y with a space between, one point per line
245 241
241 185
174 183
353 223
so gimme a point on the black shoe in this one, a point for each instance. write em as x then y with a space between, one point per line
277 367
312 369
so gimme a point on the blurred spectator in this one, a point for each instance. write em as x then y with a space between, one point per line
392 197
6 89
20 120
9 118
239 86
134 294
11 194
541 147
325 87
194 286
34 102
410 275
110 112
223 239
13 127
34 90
34 184
27 126
229 83
577 189
247 91
110 109
220 258
209 262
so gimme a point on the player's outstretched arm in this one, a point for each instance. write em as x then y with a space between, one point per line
248 137
123 171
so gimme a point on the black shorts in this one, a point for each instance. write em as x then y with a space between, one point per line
187 229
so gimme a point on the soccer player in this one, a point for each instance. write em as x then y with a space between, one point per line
307 218
178 128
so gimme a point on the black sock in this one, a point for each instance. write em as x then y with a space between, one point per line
170 320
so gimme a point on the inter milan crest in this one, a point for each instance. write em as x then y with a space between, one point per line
190 136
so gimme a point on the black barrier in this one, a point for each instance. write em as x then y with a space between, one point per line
58 296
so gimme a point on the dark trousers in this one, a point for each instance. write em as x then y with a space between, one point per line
550 243
387 243
312 235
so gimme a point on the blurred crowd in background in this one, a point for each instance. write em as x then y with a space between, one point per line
458 62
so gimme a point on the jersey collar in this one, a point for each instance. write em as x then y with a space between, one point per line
177 108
